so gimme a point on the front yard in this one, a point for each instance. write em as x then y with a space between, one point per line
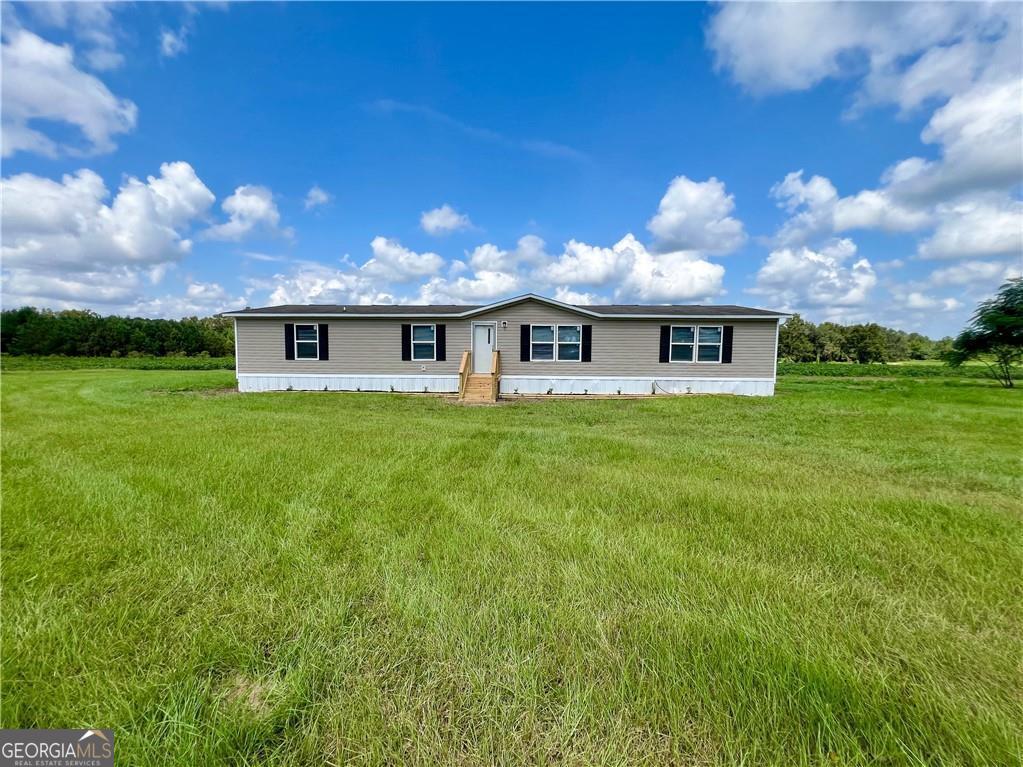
828 576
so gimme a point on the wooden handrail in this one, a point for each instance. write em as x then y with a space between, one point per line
495 375
463 373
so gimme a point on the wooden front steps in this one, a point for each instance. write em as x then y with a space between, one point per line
479 388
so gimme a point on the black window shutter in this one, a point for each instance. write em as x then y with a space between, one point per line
523 343
406 342
587 342
665 343
324 354
726 343
289 341
442 343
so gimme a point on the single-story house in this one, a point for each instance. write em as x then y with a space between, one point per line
524 345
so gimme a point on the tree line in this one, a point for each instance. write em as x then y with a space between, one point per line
802 341
994 336
82 333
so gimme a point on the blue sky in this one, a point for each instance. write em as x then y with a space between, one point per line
170 159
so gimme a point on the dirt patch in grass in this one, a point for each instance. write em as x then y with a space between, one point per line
252 695
215 391
222 391
466 403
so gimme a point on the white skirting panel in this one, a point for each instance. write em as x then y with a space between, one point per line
252 382
754 387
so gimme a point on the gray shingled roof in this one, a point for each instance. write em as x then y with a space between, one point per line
370 309
681 309
442 310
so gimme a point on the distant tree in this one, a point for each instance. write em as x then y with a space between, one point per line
830 342
11 324
866 343
896 344
941 348
995 334
795 340
919 347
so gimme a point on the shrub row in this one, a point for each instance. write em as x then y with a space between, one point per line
130 362
852 369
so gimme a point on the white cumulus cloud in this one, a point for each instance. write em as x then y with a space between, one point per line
316 197
970 273
633 271
310 282
981 228
904 53
980 137
65 244
483 287
569 296
798 278
250 207
92 24
443 220
70 290
201 299
817 210
667 277
696 215
173 43
42 83
66 224
394 262
584 264
918 301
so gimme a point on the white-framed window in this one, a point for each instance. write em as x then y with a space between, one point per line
424 343
683 341
307 342
708 343
541 343
555 343
570 340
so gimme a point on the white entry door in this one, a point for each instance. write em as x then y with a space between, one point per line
482 347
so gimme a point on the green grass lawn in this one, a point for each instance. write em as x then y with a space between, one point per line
829 576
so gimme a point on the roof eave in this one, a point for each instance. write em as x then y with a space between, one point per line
336 315
474 311
531 297
464 315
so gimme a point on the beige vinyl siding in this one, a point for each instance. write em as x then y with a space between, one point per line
622 348
355 346
631 348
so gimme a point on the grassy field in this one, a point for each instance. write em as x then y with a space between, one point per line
830 576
